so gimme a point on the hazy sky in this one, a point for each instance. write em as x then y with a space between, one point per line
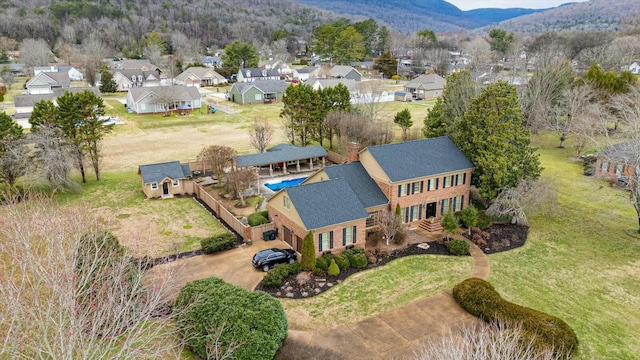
529 4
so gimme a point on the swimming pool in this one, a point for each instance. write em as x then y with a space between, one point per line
277 185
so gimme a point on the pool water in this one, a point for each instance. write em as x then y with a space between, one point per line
277 185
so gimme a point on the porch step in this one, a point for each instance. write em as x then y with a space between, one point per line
431 225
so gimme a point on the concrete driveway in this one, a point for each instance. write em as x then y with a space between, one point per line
233 266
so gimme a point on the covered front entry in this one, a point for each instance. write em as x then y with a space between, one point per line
165 188
430 210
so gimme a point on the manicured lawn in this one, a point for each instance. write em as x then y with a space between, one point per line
147 227
378 290
578 263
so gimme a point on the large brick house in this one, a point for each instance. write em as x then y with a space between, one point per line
339 204
615 162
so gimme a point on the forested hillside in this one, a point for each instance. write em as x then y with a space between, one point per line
122 22
602 15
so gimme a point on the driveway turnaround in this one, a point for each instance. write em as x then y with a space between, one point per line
233 266
398 334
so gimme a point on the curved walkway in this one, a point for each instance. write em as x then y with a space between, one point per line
398 333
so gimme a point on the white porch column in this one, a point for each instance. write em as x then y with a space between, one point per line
311 164
298 165
270 169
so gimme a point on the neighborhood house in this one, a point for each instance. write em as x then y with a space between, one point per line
263 91
339 204
160 99
427 86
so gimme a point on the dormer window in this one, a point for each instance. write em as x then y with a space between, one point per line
133 78
248 73
264 73
140 78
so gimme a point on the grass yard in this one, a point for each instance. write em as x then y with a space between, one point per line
377 291
146 227
579 264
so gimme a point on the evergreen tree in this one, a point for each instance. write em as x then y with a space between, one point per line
349 46
44 112
403 119
500 41
434 123
240 55
387 64
491 134
92 130
9 130
308 260
469 216
108 85
449 223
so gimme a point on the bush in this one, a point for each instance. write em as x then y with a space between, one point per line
333 270
253 320
318 271
589 170
275 277
342 261
479 298
217 243
322 264
258 218
483 220
399 237
356 257
458 247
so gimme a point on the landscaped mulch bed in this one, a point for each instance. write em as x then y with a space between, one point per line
502 237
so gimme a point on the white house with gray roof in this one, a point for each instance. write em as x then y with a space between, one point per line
164 180
199 77
161 99
255 74
47 82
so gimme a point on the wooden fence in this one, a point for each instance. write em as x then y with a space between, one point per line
246 231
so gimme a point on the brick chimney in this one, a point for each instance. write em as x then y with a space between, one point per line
353 148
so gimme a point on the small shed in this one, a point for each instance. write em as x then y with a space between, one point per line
402 96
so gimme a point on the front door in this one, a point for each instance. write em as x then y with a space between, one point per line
165 188
431 210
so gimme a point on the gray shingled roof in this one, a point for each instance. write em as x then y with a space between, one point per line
341 70
360 183
30 100
281 153
155 173
416 159
306 69
350 84
174 93
326 203
265 86
199 72
75 90
427 82
259 73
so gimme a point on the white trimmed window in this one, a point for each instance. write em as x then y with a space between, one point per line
325 241
258 97
286 202
154 186
348 235
176 183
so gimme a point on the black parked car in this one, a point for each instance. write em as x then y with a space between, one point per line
267 258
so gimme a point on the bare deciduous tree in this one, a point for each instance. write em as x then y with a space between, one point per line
260 133
239 180
370 99
353 127
34 52
478 51
66 294
51 157
389 224
216 158
14 162
529 196
483 341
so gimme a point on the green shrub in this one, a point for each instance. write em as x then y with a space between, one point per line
217 243
322 263
479 298
483 220
252 319
258 218
308 259
342 261
275 277
334 269
318 272
356 257
458 247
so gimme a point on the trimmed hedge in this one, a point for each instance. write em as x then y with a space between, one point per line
479 298
322 263
252 319
258 218
276 275
217 243
458 247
